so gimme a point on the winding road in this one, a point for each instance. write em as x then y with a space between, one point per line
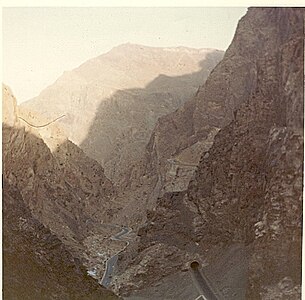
111 262
40 126
201 282
177 162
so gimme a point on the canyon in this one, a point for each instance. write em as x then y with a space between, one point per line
246 193
41 217
143 160
112 102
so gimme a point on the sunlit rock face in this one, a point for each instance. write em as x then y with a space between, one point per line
110 104
188 132
247 189
38 262
65 190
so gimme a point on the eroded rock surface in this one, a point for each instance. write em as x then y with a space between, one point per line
179 138
64 189
247 189
111 103
36 264
43 190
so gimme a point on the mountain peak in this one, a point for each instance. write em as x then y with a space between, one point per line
134 47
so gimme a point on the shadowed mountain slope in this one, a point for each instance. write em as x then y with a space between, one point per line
38 262
112 102
247 189
66 190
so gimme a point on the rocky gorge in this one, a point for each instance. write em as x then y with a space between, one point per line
247 188
199 154
113 101
42 227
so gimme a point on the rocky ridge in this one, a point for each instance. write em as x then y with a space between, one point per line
179 138
247 189
188 132
112 102
64 189
36 263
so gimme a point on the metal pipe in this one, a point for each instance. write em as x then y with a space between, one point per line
201 282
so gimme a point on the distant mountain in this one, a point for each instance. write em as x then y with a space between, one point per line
111 103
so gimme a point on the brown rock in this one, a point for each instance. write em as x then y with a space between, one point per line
65 190
247 189
111 103
36 264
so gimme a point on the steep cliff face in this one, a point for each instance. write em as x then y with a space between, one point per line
189 131
247 190
36 264
111 103
41 188
65 190
179 138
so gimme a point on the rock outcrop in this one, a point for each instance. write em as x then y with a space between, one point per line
188 132
247 189
111 103
65 190
41 188
36 264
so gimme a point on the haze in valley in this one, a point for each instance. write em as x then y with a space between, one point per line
153 153
39 44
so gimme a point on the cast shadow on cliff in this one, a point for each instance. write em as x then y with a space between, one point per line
37 264
123 123
66 190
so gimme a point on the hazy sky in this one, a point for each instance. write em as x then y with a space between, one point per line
39 44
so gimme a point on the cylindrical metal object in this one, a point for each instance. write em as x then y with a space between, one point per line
201 282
